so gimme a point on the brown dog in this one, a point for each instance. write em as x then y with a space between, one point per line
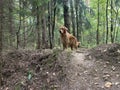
68 40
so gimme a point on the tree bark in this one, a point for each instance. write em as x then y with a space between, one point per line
1 29
44 43
111 28
66 14
116 27
72 17
80 22
10 21
77 17
24 26
19 28
49 24
107 31
53 21
38 29
98 20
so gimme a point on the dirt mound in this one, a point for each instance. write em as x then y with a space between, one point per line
106 52
93 69
31 70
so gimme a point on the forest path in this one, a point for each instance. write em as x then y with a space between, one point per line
78 69
83 72
54 69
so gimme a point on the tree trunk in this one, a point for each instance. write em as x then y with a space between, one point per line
97 34
10 21
38 29
49 24
44 43
111 29
24 26
77 17
24 33
19 28
80 22
53 21
107 31
116 27
66 14
1 29
72 17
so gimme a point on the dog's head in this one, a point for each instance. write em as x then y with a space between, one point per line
63 30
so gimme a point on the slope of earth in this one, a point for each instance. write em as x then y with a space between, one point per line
84 69
94 69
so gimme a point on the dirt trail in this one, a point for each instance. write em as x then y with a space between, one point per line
78 71
84 69
83 72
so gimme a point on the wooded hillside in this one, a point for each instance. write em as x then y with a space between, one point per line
35 23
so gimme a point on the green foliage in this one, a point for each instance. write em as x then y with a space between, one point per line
23 18
117 3
29 75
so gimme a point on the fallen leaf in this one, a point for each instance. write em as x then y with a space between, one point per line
96 83
108 84
118 51
54 74
117 75
105 66
6 88
113 68
117 83
105 50
29 76
48 80
47 72
96 78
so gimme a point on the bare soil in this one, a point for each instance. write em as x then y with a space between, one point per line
85 69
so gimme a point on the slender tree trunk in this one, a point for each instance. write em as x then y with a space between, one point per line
1 29
116 28
24 33
80 22
66 14
111 29
53 21
107 31
10 27
24 26
72 17
38 29
97 34
117 33
44 43
19 28
104 30
77 17
49 24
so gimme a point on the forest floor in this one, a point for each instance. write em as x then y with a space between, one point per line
85 69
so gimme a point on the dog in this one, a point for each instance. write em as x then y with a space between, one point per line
68 40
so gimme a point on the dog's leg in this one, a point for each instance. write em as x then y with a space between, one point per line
71 47
64 46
